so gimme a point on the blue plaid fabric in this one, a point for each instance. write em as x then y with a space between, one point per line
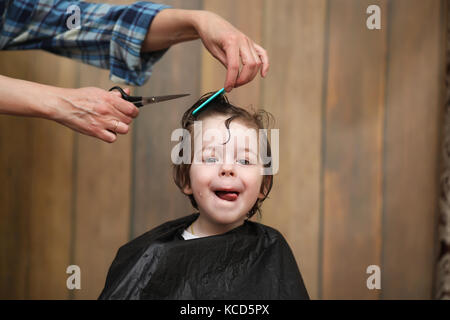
106 36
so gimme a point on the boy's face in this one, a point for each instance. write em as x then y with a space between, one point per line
225 178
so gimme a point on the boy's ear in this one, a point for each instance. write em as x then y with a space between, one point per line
187 190
265 185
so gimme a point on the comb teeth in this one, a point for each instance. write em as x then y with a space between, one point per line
208 101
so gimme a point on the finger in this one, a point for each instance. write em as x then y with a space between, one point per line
117 126
221 56
125 108
120 115
121 104
264 59
117 92
255 57
232 53
109 109
107 136
249 66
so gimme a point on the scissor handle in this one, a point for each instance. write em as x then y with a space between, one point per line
126 96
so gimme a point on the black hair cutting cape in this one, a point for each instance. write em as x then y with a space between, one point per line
250 262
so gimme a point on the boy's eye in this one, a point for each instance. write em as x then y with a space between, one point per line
210 160
243 161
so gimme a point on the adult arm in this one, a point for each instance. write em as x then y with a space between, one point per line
227 44
100 34
128 39
91 111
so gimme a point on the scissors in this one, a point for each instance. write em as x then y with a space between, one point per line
142 101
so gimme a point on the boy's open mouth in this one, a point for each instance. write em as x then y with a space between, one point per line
227 195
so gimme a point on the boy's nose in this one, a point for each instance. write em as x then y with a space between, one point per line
227 170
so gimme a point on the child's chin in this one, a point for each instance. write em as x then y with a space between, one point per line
227 218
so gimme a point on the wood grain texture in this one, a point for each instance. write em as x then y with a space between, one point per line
156 198
15 206
42 178
414 120
294 37
353 148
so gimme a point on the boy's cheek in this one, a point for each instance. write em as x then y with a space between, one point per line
255 181
252 174
200 174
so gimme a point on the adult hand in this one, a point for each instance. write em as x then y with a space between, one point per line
94 112
232 48
226 43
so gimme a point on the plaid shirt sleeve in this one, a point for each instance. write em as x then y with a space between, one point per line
106 36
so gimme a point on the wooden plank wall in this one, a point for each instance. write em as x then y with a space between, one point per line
413 122
360 117
352 158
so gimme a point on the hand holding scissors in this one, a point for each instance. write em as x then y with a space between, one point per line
140 101
96 112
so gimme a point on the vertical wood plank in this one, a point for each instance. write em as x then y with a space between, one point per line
50 214
45 188
15 173
413 127
156 198
294 36
353 150
15 206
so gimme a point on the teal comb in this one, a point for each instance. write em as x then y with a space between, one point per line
208 101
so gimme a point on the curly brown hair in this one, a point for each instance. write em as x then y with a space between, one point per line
259 119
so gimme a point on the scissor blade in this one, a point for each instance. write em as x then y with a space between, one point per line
162 98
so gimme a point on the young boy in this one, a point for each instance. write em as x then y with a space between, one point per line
216 253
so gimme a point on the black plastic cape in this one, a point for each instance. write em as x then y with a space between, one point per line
250 262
